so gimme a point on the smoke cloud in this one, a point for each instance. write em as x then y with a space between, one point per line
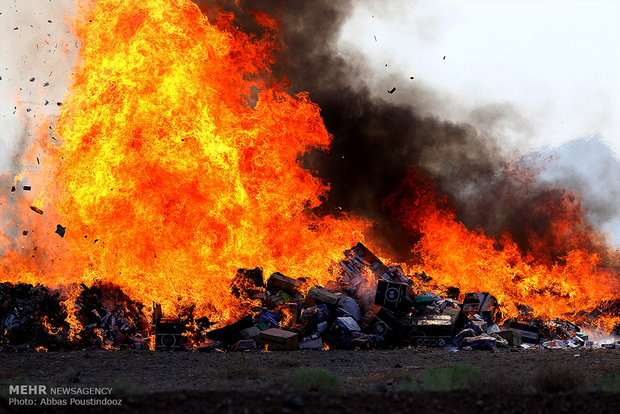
37 53
376 140
377 137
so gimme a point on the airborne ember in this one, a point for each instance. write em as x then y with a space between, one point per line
180 159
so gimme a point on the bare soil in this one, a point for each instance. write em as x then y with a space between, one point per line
372 381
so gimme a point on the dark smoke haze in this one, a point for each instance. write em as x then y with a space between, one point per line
376 142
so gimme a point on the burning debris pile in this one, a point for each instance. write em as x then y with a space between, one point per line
109 319
180 154
30 316
368 306
373 306
33 317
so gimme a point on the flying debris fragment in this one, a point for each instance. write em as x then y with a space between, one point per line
391 91
60 230
36 209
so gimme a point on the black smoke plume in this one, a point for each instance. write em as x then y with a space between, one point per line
376 142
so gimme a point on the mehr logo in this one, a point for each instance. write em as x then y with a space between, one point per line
27 389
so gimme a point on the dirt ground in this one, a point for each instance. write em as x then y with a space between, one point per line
371 381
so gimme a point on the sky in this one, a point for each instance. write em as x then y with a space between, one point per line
553 66
543 76
556 63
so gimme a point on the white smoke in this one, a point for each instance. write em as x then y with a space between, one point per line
37 53
532 76
555 63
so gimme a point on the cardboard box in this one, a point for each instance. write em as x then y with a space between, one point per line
431 325
278 281
311 343
513 338
529 334
361 252
348 324
250 333
479 302
393 296
169 335
321 295
380 321
279 340
453 313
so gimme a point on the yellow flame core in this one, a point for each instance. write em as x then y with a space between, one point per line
456 256
167 179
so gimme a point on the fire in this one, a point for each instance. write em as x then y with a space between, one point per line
168 179
472 261
74 324
48 327
179 162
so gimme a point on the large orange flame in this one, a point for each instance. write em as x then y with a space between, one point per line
455 256
179 163
167 179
